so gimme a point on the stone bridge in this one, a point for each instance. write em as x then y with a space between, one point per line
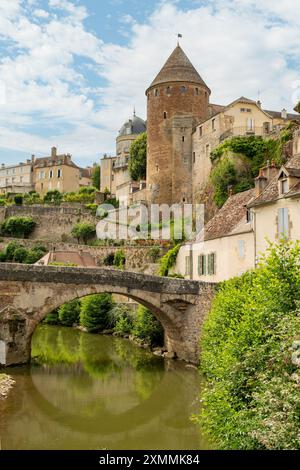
28 293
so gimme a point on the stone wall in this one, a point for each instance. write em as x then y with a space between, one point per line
137 257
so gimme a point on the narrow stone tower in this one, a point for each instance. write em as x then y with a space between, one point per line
177 100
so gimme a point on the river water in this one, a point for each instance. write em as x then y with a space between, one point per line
85 391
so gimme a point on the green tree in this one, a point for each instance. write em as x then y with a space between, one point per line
252 396
53 197
96 175
69 313
147 328
18 227
138 158
52 318
119 259
84 231
223 175
94 314
20 255
168 261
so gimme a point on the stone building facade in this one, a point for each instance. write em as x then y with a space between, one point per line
17 179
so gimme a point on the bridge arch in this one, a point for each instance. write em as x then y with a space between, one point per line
29 293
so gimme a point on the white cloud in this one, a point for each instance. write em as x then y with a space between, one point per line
238 46
41 13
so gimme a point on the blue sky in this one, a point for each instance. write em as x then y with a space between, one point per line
71 71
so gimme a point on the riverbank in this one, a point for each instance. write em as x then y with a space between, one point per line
6 383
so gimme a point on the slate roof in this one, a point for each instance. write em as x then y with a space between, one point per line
231 218
178 68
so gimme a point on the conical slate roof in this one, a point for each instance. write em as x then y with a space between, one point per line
178 68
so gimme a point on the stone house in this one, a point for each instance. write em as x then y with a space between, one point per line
17 179
59 172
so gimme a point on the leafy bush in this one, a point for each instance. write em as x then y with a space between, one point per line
96 176
52 318
122 319
92 207
252 397
119 259
138 158
17 253
154 253
18 199
86 195
53 197
69 313
20 255
18 227
32 198
147 328
95 310
223 175
2 202
34 255
83 231
109 259
168 261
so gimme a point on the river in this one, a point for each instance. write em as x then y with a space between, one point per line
85 391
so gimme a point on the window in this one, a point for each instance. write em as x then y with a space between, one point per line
156 92
200 131
283 223
197 91
207 150
59 173
250 124
168 90
213 124
187 265
183 138
42 175
241 248
284 186
183 89
194 157
51 174
211 263
249 215
201 265
42 186
165 115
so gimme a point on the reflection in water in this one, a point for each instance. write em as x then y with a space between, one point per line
86 391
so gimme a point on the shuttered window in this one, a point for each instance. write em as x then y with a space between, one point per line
283 223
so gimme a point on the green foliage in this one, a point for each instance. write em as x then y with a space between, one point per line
252 397
86 195
18 199
96 176
138 158
52 318
119 259
122 319
297 107
53 197
223 175
34 255
83 231
32 198
147 328
92 207
68 313
18 227
17 253
95 310
109 259
2 202
20 255
154 253
113 201
168 261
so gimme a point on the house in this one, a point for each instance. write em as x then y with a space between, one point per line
17 179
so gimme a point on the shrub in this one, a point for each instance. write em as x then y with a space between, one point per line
95 310
53 197
96 176
147 328
109 259
119 259
83 231
2 202
34 255
168 261
252 397
121 319
10 250
20 255
223 175
18 227
52 318
92 208
69 313
154 253
18 199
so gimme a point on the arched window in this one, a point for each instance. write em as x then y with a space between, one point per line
168 90
183 89
197 91
165 115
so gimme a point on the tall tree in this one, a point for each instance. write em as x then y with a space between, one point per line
138 158
96 176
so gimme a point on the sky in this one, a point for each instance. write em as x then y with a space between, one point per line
72 71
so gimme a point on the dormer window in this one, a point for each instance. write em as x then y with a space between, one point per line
284 186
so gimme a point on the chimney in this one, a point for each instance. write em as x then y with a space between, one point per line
53 152
260 182
259 104
32 158
284 113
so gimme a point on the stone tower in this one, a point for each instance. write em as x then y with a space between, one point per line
177 100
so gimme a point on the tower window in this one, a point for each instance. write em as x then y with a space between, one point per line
206 94
183 89
165 115
156 92
183 138
213 124
200 131
197 91
168 90
194 157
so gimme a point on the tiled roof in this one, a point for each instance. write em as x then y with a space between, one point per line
231 218
57 160
178 68
277 114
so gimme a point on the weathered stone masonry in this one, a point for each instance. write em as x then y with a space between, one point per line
28 293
